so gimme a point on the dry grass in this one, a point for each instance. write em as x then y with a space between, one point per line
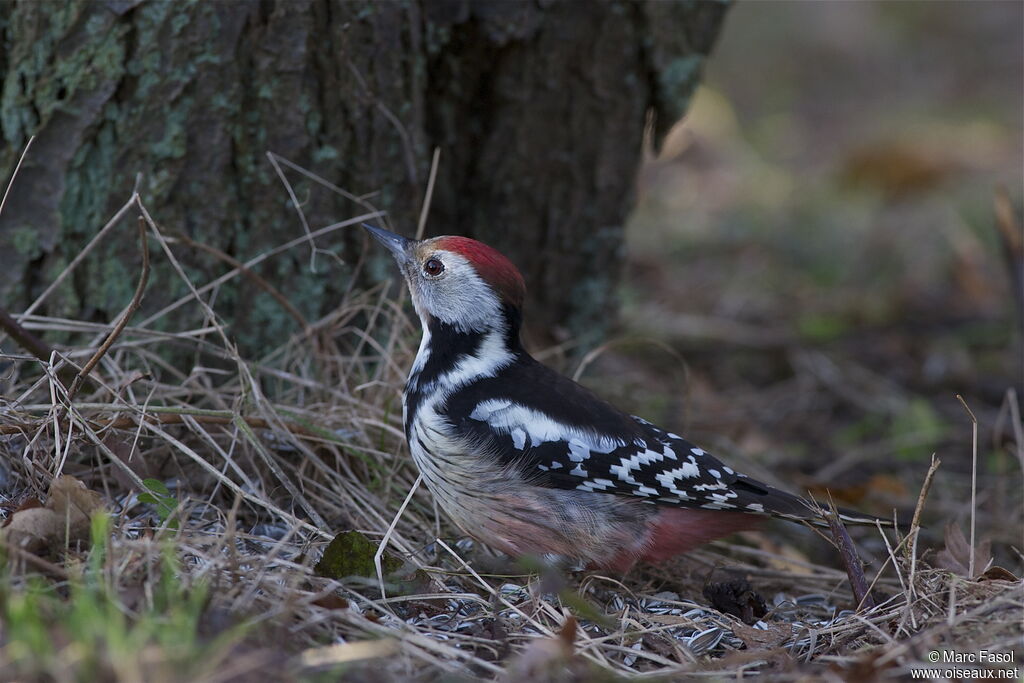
267 458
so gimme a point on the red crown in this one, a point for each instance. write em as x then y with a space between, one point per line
491 265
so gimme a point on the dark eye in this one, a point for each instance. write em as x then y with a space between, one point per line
433 267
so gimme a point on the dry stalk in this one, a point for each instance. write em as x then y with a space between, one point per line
974 480
28 341
133 306
255 277
14 175
379 556
850 558
915 524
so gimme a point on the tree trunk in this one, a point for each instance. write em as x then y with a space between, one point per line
537 108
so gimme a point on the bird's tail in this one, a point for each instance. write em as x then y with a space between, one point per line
759 497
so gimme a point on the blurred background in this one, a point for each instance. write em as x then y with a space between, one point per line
815 252
813 272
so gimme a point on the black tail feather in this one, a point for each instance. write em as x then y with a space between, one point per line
778 503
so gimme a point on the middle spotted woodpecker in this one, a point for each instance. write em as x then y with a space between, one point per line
531 463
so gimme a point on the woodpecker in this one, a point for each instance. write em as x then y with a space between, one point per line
529 462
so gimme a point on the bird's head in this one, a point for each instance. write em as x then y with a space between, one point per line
457 280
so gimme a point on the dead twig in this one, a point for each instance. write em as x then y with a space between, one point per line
421 224
48 568
122 322
28 341
174 418
15 174
247 272
915 524
850 558
974 480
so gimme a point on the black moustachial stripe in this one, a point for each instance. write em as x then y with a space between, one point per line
448 346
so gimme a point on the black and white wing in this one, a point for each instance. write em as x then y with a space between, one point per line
560 435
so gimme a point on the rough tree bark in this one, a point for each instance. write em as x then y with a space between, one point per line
538 109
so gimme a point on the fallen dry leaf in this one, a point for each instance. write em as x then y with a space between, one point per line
763 639
331 601
956 556
64 518
778 659
123 448
545 659
27 504
998 573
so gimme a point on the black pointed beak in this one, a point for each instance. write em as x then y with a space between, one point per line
396 244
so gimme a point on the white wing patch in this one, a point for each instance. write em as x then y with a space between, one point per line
483 410
536 428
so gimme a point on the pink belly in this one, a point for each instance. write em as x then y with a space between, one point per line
674 531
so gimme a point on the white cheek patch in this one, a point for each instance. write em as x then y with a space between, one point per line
459 298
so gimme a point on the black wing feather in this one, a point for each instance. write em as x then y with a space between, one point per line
645 461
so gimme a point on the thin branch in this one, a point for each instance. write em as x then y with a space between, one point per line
168 415
252 262
298 208
915 524
925 487
79 257
974 480
28 341
48 568
379 555
851 560
122 322
258 280
15 174
425 210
